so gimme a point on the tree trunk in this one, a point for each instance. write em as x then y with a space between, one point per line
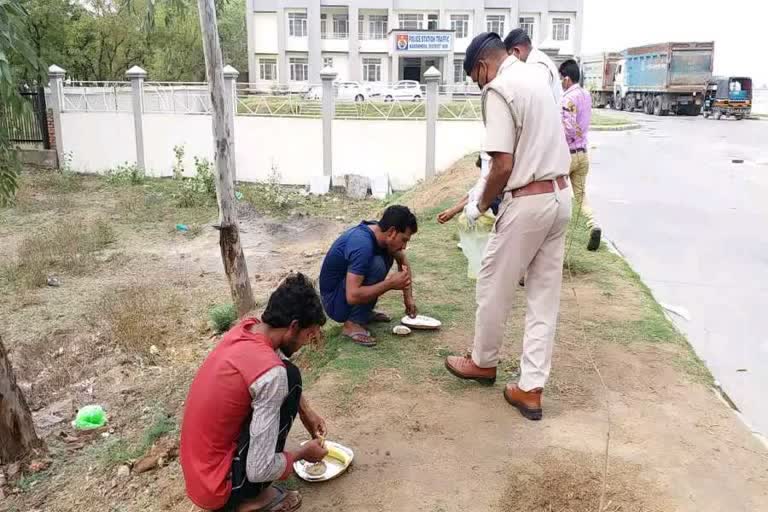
17 430
229 233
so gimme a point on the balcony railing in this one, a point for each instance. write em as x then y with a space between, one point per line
334 35
372 36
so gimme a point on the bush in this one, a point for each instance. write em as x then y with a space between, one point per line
199 190
125 174
222 317
137 317
61 247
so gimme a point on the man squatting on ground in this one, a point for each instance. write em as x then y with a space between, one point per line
242 403
529 169
354 272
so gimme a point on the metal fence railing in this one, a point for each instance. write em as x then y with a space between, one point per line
353 100
97 97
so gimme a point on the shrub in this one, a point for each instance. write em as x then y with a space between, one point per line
125 174
137 317
199 190
69 247
222 317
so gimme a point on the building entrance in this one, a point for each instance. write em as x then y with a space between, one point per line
414 68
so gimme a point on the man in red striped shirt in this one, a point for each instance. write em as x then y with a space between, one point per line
242 403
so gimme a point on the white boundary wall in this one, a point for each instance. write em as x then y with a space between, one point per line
98 141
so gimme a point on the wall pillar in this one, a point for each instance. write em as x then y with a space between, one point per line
230 88
282 59
137 75
355 65
56 83
328 75
432 77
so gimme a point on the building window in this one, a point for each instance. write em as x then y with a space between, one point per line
561 29
410 21
458 71
495 23
323 25
340 26
299 69
297 24
432 22
377 26
360 26
460 24
327 62
268 69
372 70
527 25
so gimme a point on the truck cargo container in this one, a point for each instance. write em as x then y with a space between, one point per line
598 72
663 78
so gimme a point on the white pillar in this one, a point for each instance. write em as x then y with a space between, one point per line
137 75
328 75
230 86
355 65
432 77
56 83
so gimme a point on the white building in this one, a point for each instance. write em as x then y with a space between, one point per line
290 41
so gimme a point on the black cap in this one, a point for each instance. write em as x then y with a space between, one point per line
516 37
476 47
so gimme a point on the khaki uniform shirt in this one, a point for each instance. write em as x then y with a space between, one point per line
521 119
539 58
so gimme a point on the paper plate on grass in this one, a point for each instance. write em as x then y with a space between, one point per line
333 466
421 322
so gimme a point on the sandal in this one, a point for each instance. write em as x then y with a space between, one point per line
285 501
380 317
362 338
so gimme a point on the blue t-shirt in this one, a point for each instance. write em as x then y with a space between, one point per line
352 252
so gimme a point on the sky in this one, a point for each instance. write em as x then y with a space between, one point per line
740 44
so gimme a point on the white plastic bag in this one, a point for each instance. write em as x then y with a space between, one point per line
473 241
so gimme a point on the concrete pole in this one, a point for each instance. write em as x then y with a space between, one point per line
230 96
56 83
432 77
328 75
137 75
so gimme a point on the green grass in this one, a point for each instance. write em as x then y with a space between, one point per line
601 119
115 451
444 291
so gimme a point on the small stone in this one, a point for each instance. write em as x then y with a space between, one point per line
53 281
13 469
123 472
154 350
114 483
386 453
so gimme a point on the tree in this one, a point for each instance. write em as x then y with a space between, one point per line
17 430
14 46
229 233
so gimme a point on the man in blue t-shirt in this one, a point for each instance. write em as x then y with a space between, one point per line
354 272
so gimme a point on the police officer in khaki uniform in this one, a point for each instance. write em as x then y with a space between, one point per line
529 169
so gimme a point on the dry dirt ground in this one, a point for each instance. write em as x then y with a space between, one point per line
423 440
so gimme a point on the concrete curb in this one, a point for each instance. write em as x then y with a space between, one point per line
616 128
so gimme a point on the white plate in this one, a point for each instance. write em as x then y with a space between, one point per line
333 467
421 322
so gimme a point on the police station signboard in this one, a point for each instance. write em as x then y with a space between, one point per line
439 42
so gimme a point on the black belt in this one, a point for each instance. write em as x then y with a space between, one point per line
579 150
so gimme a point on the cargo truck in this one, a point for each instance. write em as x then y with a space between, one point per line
662 78
599 71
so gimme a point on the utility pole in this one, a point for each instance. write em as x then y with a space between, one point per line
224 158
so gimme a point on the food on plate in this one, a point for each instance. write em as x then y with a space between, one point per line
401 330
317 469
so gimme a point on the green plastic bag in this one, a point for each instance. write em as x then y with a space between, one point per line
90 417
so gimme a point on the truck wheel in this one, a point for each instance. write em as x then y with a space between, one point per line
648 105
717 115
617 103
657 106
739 117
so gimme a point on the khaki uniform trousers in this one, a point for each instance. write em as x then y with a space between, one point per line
578 172
529 236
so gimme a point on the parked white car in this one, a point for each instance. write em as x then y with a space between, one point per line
345 91
404 90
352 91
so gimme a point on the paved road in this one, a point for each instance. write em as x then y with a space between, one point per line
694 225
